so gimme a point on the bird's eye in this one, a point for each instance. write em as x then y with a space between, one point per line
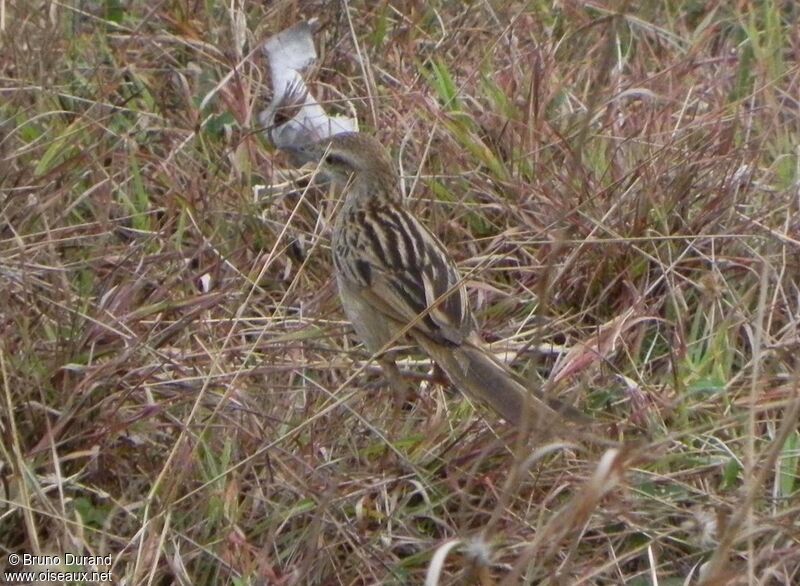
335 160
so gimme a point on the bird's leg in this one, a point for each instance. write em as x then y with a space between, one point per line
439 377
403 392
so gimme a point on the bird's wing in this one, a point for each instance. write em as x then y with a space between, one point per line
403 270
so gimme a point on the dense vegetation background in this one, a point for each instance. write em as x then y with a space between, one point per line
180 390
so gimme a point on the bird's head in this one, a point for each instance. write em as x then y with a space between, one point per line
349 158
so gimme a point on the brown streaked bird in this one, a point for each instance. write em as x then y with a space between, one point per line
393 274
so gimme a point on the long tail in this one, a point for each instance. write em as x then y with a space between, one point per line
481 376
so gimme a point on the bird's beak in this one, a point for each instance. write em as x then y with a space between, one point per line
300 155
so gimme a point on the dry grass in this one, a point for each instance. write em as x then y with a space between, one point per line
180 390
